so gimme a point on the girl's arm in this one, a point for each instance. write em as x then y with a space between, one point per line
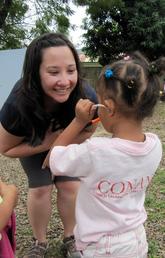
14 147
9 194
74 132
85 134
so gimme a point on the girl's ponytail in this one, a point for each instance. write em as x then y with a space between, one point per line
158 66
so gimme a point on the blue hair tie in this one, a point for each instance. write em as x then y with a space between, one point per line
108 73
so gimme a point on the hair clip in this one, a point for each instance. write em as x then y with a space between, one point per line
127 58
98 105
108 73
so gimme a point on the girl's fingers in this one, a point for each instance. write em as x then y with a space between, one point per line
45 163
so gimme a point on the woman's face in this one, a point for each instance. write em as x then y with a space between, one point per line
58 73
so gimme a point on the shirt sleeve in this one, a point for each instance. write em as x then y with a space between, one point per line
12 121
10 117
72 160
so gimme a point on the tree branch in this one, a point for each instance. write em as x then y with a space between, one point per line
4 10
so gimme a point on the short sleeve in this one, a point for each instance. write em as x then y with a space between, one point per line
10 117
12 121
72 160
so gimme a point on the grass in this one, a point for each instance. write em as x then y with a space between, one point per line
155 197
155 206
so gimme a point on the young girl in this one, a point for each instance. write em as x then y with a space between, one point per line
8 199
114 171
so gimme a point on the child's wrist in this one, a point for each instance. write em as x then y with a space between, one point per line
80 122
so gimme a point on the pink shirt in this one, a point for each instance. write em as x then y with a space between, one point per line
7 238
114 176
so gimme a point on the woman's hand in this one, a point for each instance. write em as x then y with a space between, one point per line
50 137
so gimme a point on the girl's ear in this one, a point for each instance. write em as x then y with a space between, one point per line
110 104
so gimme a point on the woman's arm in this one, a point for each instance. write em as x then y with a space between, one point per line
14 147
9 194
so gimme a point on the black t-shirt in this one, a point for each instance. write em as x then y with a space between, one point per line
10 115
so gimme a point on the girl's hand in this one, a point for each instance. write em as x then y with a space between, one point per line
9 190
46 161
84 111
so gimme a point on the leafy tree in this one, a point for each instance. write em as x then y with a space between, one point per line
117 26
4 6
51 15
11 28
21 21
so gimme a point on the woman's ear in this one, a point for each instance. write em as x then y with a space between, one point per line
111 106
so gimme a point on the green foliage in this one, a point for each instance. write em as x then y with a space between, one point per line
146 27
24 20
52 15
114 27
11 30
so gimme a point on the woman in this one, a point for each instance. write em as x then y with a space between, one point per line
40 105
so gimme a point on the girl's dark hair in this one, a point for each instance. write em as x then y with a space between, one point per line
133 84
30 95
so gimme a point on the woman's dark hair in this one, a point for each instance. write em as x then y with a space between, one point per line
30 94
133 84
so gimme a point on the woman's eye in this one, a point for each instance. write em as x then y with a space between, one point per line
71 71
53 72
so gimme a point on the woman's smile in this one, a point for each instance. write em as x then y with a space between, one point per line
62 91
